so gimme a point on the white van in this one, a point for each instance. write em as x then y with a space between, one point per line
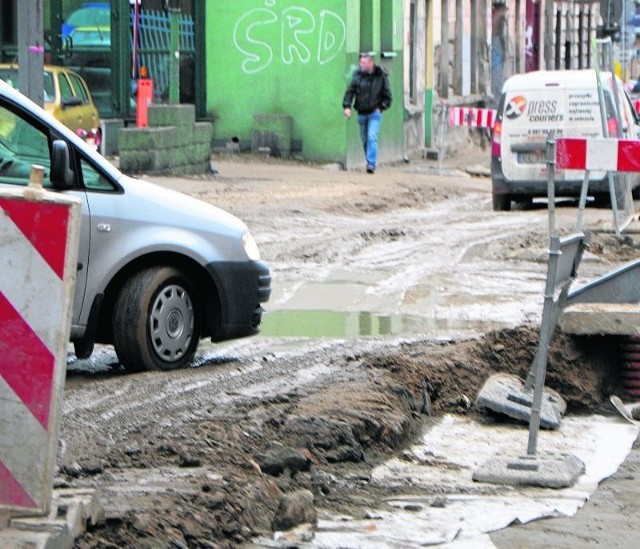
539 104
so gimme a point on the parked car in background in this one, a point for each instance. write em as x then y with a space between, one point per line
89 25
539 104
157 270
67 98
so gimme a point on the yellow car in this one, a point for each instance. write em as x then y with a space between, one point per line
67 98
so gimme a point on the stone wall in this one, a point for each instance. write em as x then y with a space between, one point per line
173 143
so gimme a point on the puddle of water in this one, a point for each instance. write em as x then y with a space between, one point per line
322 323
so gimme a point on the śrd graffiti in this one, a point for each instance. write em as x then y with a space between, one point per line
292 35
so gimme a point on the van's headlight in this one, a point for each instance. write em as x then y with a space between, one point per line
250 246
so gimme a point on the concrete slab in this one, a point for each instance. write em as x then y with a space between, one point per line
547 470
71 512
601 319
505 394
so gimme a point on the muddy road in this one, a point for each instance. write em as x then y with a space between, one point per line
394 297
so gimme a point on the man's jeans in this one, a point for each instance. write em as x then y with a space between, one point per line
369 128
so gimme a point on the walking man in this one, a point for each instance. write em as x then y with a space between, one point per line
370 89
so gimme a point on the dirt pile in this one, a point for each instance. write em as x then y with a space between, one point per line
338 432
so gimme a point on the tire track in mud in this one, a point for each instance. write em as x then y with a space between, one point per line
434 250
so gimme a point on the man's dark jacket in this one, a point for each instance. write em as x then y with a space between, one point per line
371 91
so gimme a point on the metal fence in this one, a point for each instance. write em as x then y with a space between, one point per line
154 45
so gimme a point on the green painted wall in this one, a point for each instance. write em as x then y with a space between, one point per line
296 57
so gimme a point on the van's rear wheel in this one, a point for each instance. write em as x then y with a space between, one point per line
156 321
501 203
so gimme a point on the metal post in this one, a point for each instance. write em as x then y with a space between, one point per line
173 6
532 376
583 199
551 184
31 49
543 346
607 54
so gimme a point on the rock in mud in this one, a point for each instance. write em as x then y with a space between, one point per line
327 438
279 458
293 510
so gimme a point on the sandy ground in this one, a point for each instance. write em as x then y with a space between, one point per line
179 458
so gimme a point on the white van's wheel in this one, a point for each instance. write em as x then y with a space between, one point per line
501 203
155 321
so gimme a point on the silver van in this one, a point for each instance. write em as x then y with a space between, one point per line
157 270
536 105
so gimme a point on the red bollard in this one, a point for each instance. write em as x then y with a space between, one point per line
143 100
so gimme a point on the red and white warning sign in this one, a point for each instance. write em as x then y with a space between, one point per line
38 254
470 116
598 154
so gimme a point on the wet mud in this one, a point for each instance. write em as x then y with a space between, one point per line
202 457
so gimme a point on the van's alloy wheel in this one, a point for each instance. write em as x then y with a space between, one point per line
156 324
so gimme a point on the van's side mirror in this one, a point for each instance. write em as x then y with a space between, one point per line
61 174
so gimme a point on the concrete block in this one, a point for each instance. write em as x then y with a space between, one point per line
203 133
548 470
135 161
81 508
601 319
505 394
198 153
147 138
172 142
71 513
171 115
182 136
110 130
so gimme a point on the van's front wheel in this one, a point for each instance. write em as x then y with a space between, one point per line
501 203
155 321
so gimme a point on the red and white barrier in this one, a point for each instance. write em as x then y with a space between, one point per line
598 154
38 253
474 117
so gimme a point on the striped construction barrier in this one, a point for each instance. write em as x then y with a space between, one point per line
471 116
599 154
38 254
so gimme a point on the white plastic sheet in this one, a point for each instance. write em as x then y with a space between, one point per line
457 512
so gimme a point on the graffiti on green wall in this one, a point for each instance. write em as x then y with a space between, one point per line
292 35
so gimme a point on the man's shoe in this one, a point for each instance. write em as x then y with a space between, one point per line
370 169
